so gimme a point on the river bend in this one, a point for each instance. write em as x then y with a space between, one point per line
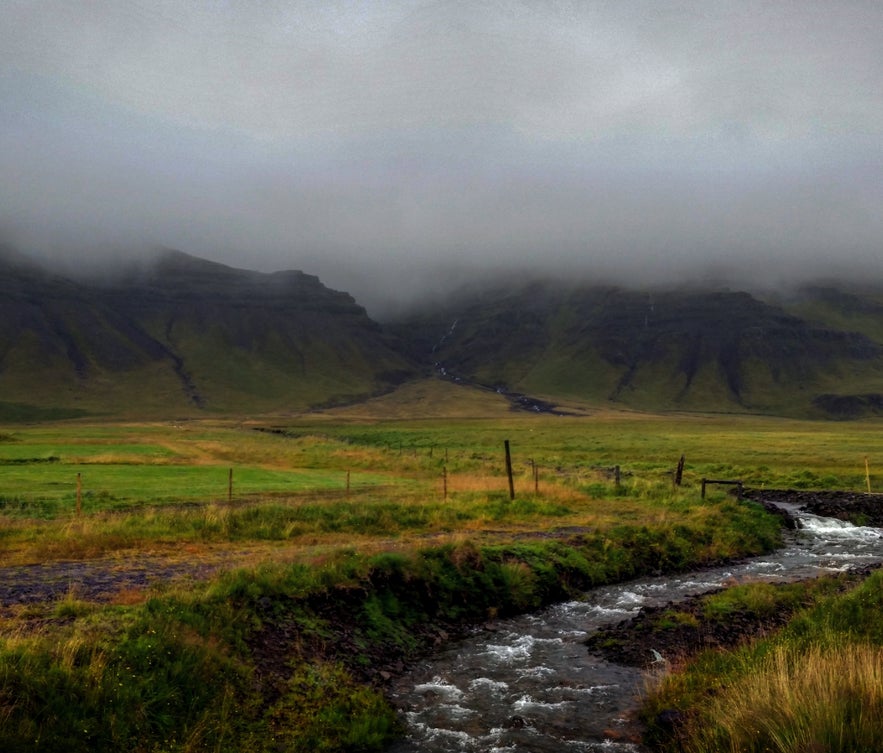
529 685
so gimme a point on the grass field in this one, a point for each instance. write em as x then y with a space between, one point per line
349 533
321 476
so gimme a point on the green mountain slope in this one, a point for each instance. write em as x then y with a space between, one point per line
683 350
846 308
184 335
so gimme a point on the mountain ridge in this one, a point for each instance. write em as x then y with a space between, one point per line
660 349
188 336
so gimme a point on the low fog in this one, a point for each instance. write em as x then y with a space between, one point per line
396 149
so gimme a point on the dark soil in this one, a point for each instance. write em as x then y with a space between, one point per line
855 507
336 637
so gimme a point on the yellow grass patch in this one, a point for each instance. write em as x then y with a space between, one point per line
827 699
428 398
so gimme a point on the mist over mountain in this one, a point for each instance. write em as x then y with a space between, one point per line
399 150
179 335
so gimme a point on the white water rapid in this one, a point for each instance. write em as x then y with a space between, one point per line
531 686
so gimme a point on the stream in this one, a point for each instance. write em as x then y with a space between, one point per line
529 685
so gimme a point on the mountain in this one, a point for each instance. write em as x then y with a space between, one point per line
817 353
182 335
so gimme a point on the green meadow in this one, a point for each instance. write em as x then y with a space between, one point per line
49 490
347 536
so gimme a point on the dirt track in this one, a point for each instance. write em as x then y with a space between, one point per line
100 580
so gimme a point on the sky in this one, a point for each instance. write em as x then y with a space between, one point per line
398 148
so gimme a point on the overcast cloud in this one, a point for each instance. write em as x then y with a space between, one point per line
389 146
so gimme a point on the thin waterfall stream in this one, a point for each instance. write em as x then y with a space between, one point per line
529 685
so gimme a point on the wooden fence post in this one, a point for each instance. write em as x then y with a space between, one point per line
347 483
509 470
536 479
703 488
679 473
616 476
445 481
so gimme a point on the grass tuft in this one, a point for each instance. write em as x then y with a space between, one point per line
793 701
815 686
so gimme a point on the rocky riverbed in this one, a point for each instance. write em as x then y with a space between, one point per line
681 628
